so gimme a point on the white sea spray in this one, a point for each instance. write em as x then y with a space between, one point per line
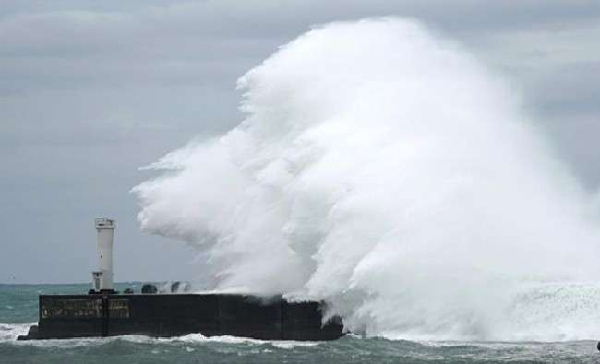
386 171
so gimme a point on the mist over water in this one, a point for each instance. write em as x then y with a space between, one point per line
385 170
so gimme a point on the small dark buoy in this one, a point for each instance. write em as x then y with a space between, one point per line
598 346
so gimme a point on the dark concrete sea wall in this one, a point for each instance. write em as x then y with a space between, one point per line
66 316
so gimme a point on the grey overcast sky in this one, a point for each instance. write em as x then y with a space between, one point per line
91 90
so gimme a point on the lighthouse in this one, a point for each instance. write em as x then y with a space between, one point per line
103 278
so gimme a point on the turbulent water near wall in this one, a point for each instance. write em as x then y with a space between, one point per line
18 308
382 168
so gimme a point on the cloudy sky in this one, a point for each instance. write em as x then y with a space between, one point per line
92 90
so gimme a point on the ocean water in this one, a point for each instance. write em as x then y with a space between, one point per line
19 308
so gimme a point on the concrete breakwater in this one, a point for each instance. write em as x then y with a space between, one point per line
163 315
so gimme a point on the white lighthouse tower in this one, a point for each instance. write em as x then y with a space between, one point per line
103 279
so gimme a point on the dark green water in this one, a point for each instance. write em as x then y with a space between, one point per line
18 308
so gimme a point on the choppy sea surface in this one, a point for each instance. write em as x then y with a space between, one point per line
19 309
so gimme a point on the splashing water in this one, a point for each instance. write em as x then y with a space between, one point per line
386 171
